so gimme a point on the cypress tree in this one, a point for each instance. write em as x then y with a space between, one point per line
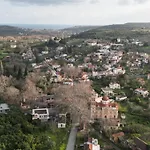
19 75
26 71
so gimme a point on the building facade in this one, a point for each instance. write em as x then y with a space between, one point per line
104 108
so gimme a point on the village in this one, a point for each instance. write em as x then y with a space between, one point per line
99 87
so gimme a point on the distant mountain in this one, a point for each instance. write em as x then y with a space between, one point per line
139 25
133 30
6 30
79 29
11 31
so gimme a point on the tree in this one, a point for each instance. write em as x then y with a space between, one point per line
19 75
62 41
30 91
72 72
26 71
15 70
76 98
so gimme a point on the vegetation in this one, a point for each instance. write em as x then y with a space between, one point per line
18 131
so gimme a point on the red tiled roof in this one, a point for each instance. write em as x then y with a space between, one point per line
118 134
105 98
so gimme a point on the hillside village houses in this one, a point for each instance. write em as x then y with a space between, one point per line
13 46
114 86
41 114
91 144
141 91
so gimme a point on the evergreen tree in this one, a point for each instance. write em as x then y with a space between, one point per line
26 71
15 69
19 75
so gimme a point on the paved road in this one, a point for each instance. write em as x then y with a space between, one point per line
72 139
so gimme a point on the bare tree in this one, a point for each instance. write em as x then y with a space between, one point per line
72 72
30 91
11 95
76 98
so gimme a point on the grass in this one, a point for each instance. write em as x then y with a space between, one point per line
123 108
79 139
59 137
3 54
137 119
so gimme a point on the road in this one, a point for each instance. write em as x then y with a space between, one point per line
72 139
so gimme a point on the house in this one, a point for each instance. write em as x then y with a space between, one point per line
104 108
142 92
85 76
148 76
13 46
141 81
107 91
91 144
121 98
4 108
40 113
123 116
62 121
68 81
44 52
118 71
114 86
115 137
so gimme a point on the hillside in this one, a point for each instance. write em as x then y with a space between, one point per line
79 29
10 30
6 30
139 25
133 30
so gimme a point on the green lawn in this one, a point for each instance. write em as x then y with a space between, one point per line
59 136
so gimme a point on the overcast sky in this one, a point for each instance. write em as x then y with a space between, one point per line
74 12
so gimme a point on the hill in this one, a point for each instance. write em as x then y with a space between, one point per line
132 30
11 31
79 29
139 25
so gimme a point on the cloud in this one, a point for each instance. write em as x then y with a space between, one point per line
44 2
126 2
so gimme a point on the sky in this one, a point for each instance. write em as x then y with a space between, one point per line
74 12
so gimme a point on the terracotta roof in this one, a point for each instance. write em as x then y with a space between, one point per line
108 105
120 134
105 98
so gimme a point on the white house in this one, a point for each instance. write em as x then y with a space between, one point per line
107 90
92 144
142 92
45 52
13 45
4 108
121 98
62 121
40 113
114 86
119 70
148 76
